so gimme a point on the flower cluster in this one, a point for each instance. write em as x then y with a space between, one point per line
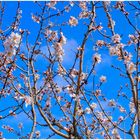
133 39
59 52
51 35
11 43
132 107
75 73
93 106
27 99
116 50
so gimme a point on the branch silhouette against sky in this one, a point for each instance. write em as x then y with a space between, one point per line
70 69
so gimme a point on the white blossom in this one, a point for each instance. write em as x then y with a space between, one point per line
93 105
112 103
103 78
73 21
116 38
132 107
97 58
88 110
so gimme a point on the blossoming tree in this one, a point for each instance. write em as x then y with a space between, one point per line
87 89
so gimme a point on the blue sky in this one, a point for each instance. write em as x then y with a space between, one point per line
74 37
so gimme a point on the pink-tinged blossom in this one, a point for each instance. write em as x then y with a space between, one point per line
133 39
116 50
67 129
15 39
70 89
112 51
61 70
52 36
116 38
100 43
99 27
131 67
59 52
74 73
128 57
82 5
122 109
51 4
58 46
98 92
103 78
84 14
99 114
27 99
73 21
115 133
97 58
